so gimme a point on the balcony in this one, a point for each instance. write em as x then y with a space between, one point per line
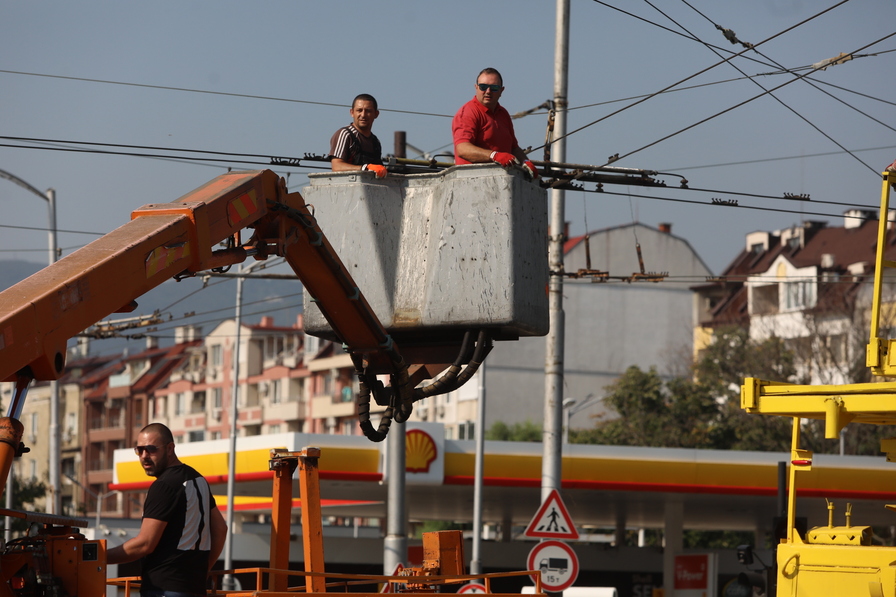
332 405
284 411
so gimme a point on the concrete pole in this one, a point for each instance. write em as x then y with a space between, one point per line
54 505
551 472
395 545
673 542
476 559
227 581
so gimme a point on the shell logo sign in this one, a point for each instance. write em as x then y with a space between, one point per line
421 451
424 451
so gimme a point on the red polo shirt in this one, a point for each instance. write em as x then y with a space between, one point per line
476 124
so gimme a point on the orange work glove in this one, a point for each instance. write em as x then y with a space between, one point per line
380 171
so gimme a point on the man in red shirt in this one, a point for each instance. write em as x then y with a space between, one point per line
483 130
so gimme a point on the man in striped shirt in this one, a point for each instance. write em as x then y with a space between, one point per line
183 532
355 147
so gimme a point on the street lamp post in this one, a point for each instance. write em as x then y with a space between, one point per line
55 503
571 406
228 580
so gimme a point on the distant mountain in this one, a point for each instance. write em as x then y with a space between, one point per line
14 271
194 301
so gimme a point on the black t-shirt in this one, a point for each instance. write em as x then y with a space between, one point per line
349 145
181 497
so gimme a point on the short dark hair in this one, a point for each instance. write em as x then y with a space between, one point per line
365 97
490 71
161 429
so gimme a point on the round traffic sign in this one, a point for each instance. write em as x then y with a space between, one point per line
472 587
557 563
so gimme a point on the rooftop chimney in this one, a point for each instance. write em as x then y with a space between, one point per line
665 227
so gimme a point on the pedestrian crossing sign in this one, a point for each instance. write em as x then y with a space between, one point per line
552 521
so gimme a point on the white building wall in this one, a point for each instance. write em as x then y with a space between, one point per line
609 327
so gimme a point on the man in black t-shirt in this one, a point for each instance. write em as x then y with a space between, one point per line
355 147
183 532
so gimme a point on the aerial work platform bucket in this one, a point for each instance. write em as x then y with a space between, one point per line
437 254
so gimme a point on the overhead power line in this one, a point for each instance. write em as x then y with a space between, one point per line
738 105
688 78
207 92
731 36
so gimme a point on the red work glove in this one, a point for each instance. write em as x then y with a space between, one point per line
505 159
529 167
380 171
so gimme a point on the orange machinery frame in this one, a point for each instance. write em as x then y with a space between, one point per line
443 552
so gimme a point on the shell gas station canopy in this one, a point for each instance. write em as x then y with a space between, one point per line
727 490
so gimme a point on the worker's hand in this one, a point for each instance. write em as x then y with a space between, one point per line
380 171
505 159
529 167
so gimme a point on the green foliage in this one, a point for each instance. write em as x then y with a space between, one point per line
25 492
518 432
702 411
429 526
718 539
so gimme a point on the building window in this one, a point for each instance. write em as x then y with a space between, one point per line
274 429
216 395
217 358
215 435
764 299
466 430
799 295
33 469
276 397
33 419
347 394
197 436
327 384
179 404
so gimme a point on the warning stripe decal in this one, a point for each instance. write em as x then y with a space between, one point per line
242 207
162 257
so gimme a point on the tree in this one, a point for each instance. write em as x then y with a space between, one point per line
702 410
518 432
25 493
677 413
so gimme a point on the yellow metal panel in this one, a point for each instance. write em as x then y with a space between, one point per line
349 460
812 570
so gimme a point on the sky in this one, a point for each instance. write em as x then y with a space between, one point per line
276 78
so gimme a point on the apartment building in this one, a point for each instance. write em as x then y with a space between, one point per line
286 382
809 285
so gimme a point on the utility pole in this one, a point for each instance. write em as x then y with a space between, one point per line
551 470
395 544
54 503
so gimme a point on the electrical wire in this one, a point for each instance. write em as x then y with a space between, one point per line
777 159
773 96
695 202
688 78
206 92
39 229
738 105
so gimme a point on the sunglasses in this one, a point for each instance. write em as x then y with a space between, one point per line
149 449
486 86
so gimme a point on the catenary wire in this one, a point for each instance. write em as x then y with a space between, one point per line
204 91
694 75
738 105
777 159
776 98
